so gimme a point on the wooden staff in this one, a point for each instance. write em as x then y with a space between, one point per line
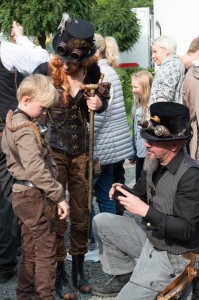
91 88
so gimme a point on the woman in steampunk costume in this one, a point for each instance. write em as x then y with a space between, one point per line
72 66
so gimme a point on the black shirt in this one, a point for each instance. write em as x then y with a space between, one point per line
185 219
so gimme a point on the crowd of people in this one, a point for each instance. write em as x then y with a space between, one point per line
45 123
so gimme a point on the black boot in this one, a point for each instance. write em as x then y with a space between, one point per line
79 279
62 286
112 287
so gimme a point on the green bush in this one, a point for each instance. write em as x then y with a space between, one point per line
125 78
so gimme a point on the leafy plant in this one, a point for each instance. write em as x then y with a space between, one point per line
115 18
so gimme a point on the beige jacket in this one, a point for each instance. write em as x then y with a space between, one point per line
24 158
191 100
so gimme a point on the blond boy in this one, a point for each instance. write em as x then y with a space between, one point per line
28 159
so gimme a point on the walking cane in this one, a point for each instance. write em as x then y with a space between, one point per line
91 88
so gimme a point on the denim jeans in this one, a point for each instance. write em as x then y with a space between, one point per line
102 185
124 248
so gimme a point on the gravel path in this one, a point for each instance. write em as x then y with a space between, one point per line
93 270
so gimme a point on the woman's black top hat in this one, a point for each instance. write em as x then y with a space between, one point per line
75 42
169 121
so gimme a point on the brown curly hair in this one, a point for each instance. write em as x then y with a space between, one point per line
59 77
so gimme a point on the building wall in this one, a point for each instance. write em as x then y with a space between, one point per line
178 19
140 53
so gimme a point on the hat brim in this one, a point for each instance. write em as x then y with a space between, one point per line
150 137
56 41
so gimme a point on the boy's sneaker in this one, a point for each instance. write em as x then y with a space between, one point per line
91 255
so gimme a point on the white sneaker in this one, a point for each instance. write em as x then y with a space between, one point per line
69 257
91 255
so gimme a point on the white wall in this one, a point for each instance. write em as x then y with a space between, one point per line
178 19
140 53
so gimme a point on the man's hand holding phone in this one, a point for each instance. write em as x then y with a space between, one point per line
125 196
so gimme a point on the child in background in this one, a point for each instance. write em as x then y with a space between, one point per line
141 86
36 195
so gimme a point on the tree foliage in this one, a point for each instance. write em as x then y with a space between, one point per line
115 18
142 3
41 17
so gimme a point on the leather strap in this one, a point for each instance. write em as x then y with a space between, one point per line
182 281
24 182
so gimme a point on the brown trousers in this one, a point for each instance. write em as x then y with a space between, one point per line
71 173
36 276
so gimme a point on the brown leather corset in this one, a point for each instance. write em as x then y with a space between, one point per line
67 126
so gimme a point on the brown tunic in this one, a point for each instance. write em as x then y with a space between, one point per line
24 159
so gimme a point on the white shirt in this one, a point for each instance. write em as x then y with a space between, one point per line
25 56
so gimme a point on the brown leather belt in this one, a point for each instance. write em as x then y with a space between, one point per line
24 182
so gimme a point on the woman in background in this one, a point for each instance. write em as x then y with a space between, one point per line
141 87
112 141
167 83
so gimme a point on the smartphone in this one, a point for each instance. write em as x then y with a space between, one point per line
117 193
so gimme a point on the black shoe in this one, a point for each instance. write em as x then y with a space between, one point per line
62 285
4 278
112 287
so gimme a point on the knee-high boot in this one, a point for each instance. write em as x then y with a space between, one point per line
78 277
62 285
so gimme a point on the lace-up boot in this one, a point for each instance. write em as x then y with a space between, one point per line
79 279
62 285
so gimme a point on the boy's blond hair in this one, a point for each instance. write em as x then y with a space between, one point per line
39 88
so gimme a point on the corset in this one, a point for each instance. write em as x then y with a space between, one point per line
67 125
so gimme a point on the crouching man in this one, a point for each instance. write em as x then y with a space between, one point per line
151 247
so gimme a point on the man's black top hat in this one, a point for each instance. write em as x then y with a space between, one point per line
75 43
169 121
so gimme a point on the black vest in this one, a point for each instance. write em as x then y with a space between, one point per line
163 201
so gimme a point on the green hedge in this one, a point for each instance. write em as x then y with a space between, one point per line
125 78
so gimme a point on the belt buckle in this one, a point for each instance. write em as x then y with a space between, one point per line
28 183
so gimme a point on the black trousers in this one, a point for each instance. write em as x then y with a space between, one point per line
9 228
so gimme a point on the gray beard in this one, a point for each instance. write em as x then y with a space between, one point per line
150 165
